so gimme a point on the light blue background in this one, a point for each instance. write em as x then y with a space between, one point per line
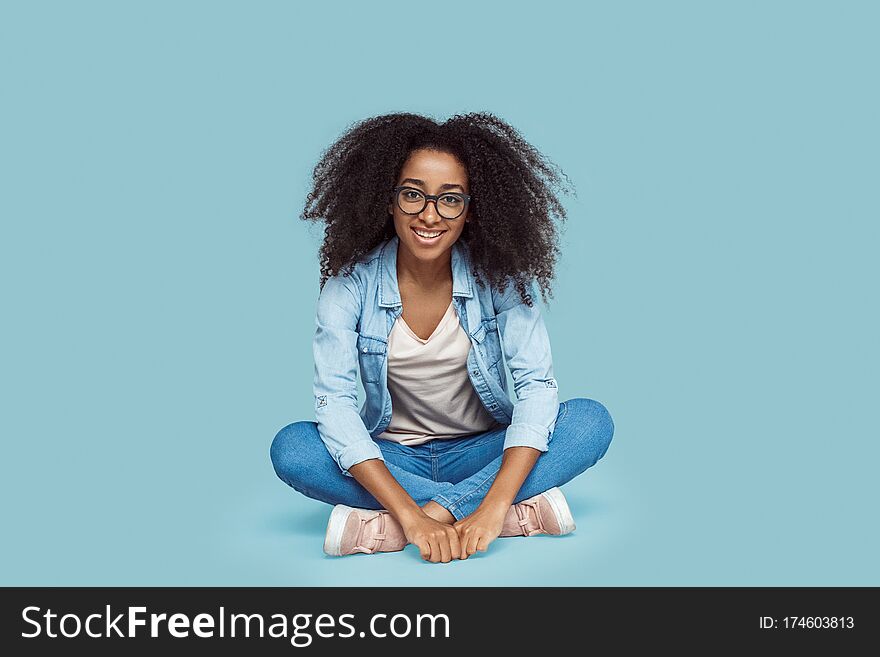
717 292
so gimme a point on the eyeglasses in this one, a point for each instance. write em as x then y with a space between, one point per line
450 205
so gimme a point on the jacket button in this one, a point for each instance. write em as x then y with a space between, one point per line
364 350
476 372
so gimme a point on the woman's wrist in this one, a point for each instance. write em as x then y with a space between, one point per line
502 492
407 514
496 505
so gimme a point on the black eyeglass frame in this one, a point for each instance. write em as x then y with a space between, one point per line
431 197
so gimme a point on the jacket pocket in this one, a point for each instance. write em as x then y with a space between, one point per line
371 354
489 342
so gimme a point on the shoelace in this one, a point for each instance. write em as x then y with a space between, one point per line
523 514
378 537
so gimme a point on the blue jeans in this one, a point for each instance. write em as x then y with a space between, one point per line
454 473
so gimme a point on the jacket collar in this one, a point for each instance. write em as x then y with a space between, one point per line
389 292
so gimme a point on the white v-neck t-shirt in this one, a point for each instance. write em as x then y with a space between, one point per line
431 394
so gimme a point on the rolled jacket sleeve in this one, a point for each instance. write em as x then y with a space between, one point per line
526 347
335 384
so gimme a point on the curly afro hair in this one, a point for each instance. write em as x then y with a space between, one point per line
511 236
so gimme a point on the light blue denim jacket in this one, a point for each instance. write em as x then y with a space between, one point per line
354 318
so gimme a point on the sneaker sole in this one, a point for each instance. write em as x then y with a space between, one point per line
335 527
561 510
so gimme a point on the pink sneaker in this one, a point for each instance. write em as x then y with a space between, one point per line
351 530
547 513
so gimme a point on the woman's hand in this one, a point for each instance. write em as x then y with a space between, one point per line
484 525
480 528
436 541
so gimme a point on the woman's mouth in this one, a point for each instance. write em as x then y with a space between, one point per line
424 236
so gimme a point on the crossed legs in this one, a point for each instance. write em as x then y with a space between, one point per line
455 474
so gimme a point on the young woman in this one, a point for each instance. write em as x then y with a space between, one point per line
435 235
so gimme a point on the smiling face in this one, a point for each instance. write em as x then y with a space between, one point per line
428 236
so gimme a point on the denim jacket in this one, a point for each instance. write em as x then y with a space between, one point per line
354 317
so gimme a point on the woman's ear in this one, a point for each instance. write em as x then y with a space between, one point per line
390 209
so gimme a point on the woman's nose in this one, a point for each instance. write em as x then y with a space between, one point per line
429 214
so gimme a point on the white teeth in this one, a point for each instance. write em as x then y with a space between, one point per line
422 233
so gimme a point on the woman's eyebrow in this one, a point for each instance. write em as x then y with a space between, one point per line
422 183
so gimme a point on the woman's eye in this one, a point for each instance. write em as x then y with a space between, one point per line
412 196
451 200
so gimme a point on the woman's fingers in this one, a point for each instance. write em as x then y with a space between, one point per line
436 554
454 542
443 540
467 542
463 539
424 548
445 545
